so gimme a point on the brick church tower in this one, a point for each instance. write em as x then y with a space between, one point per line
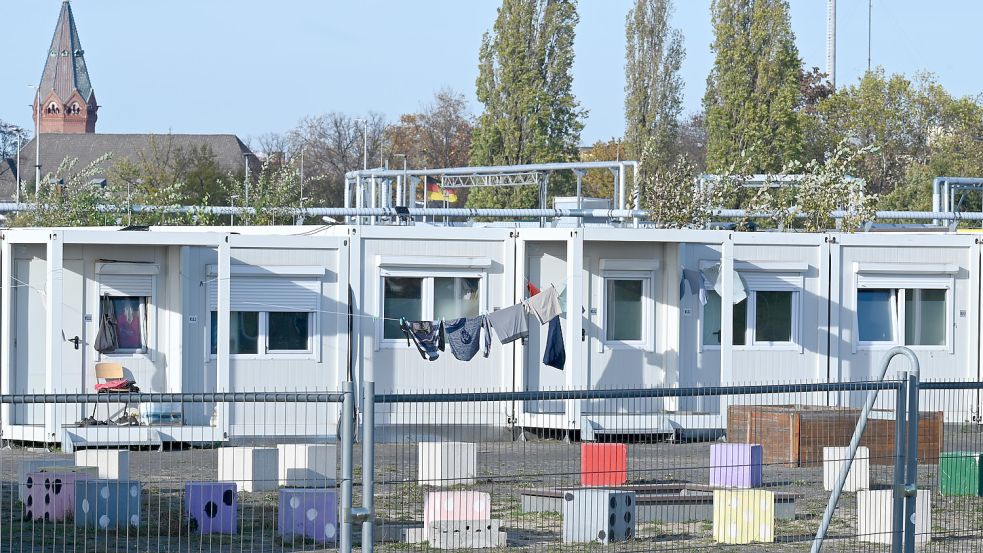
68 103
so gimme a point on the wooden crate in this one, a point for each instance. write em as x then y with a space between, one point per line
880 433
795 435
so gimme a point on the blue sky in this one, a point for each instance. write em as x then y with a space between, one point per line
251 66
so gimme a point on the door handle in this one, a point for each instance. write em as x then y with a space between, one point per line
77 341
583 334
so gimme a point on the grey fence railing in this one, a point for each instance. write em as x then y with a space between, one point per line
679 468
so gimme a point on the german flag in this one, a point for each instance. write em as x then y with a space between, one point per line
437 194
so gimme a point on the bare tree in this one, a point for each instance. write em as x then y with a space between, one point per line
332 144
8 138
438 136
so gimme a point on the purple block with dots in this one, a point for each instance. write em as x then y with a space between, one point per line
212 507
51 495
735 465
309 512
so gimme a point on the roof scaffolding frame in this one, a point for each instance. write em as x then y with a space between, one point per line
477 180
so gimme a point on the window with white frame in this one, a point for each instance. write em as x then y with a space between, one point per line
273 311
128 290
905 316
767 317
627 291
266 332
416 297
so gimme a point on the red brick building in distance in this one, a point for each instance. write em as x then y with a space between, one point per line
68 102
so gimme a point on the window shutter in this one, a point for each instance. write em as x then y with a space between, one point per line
126 285
761 280
270 294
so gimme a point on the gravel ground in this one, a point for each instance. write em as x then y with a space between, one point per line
505 469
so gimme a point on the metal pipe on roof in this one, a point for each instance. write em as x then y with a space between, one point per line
498 169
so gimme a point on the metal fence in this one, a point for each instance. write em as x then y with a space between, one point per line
679 469
145 475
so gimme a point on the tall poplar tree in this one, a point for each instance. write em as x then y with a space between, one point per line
653 87
753 89
525 83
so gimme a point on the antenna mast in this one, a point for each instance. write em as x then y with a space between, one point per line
831 41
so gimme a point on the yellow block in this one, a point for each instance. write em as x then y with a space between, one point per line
743 516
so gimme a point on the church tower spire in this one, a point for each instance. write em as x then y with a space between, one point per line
68 103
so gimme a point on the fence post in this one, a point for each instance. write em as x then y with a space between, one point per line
368 467
900 424
347 438
834 496
911 478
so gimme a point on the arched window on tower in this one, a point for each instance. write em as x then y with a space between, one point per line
53 108
74 109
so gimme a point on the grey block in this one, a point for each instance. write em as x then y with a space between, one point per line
466 534
603 516
107 503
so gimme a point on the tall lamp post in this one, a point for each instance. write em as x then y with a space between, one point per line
37 137
365 142
245 157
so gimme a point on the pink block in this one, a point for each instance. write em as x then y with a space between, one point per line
51 495
457 505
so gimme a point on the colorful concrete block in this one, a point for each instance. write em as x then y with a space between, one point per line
28 466
308 465
309 513
212 507
51 495
106 504
961 473
859 476
603 516
447 463
874 509
113 464
456 505
253 469
603 464
735 465
743 516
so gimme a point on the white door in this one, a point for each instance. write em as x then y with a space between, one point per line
29 356
74 376
622 335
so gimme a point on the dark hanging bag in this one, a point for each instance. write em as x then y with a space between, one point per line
107 340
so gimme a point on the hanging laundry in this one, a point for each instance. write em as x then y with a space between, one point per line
427 336
713 280
531 288
463 335
555 354
697 284
545 305
510 323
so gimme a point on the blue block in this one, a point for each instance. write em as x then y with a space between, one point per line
107 504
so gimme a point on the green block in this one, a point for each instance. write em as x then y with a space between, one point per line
961 473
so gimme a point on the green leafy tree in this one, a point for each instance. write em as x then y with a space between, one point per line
653 87
525 84
753 89
271 195
68 198
817 189
920 131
